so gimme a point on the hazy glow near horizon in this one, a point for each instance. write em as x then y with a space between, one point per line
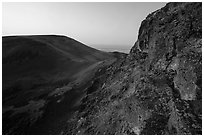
109 26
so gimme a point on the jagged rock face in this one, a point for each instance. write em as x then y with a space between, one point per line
172 38
157 88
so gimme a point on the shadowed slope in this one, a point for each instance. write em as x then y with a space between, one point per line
43 77
45 59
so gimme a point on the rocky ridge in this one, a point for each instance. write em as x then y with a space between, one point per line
157 89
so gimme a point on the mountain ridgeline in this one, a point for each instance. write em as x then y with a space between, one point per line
59 57
42 73
56 85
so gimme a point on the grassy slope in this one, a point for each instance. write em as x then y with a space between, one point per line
35 66
32 61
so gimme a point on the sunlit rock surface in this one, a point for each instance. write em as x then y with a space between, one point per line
157 89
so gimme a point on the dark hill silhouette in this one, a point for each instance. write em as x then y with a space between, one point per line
45 58
42 73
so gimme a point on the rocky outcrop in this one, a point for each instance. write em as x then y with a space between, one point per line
157 88
172 38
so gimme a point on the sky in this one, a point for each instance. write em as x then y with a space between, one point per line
111 26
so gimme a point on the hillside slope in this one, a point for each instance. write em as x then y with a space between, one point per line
29 61
42 73
46 54
157 89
